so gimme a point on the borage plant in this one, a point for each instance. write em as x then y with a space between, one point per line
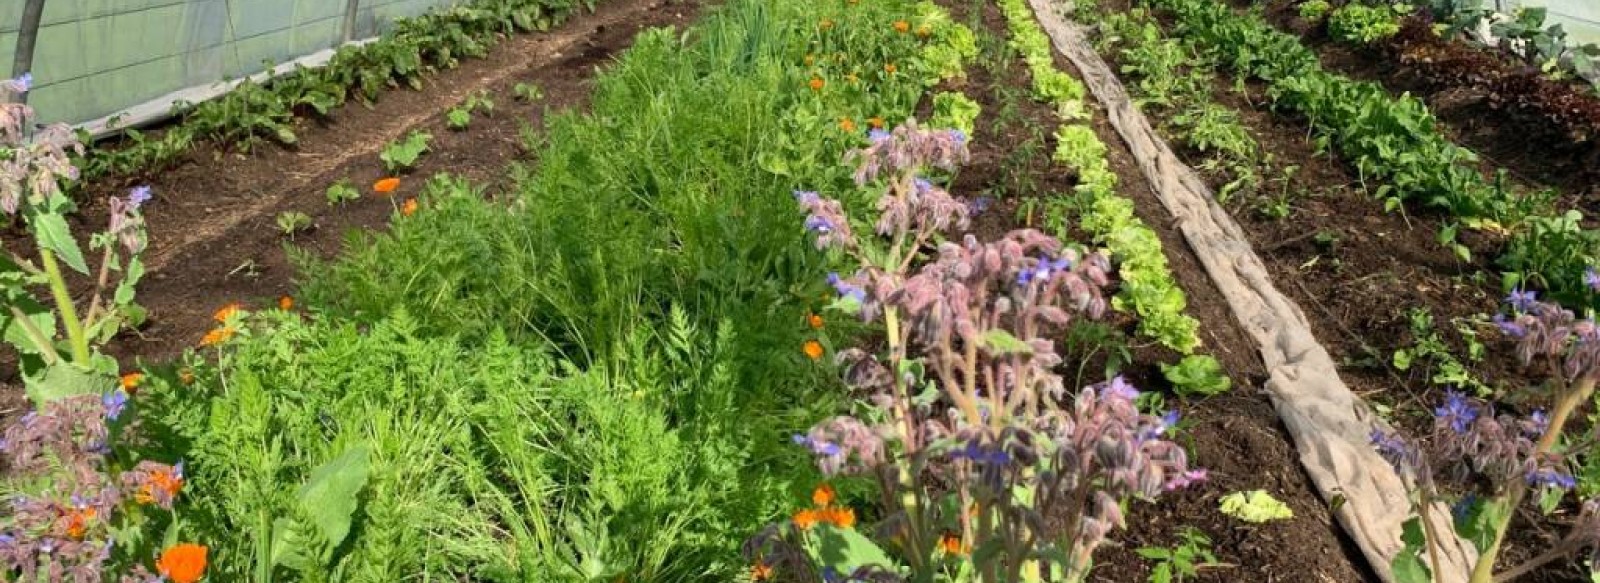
33 170
989 469
1498 461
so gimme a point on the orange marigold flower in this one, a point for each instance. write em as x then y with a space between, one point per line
183 563
131 381
386 185
222 314
217 336
805 519
286 302
876 122
827 24
901 26
815 321
951 544
409 208
816 84
760 572
813 349
823 495
890 68
847 125
840 517
186 376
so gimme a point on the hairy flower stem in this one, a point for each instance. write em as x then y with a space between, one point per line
69 313
1430 534
1483 571
99 287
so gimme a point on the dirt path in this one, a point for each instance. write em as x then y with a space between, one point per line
213 231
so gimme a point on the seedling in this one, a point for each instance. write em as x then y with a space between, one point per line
1255 506
342 192
1182 560
402 155
458 118
291 222
527 92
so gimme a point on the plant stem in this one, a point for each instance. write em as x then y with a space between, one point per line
1483 571
69 313
38 336
1430 535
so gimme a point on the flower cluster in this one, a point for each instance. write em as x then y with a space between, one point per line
31 168
969 325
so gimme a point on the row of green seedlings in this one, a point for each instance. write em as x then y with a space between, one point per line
1398 141
1149 289
254 113
83 410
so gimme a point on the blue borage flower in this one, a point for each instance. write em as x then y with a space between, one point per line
877 135
1591 278
1509 327
816 446
1545 477
138 196
114 402
978 205
1457 412
1043 270
1522 300
982 454
846 289
817 224
1459 510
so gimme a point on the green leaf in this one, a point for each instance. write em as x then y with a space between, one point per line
846 550
1002 342
64 379
53 234
1255 506
130 278
329 498
1407 564
15 333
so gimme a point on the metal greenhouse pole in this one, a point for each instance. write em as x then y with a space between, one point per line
27 35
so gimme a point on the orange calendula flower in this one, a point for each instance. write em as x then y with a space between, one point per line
951 544
386 185
183 563
815 321
876 122
78 520
217 336
805 519
160 485
847 125
890 68
827 24
224 312
823 495
816 84
409 208
902 26
186 376
924 31
840 517
286 302
760 572
131 381
813 349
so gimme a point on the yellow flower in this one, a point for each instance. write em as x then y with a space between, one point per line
876 122
890 68
901 26
810 59
924 31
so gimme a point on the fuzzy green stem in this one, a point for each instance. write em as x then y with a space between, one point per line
69 313
1483 571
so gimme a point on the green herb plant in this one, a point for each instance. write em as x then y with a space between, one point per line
1185 559
402 155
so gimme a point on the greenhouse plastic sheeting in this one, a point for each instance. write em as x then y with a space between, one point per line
94 58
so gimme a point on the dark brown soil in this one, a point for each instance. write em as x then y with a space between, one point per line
1359 283
1237 436
212 223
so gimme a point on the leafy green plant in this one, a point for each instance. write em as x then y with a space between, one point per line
528 92
341 192
402 155
1429 349
1363 24
1254 506
1185 559
954 110
293 222
1197 375
458 118
1315 10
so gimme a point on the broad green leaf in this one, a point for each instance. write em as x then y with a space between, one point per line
1407 564
1255 506
846 549
15 333
1002 342
64 379
130 278
329 498
53 234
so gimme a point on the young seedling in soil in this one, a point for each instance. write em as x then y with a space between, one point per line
402 155
1185 559
292 222
527 92
342 192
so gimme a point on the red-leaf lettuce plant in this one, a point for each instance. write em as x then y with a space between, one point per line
988 467
1501 459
